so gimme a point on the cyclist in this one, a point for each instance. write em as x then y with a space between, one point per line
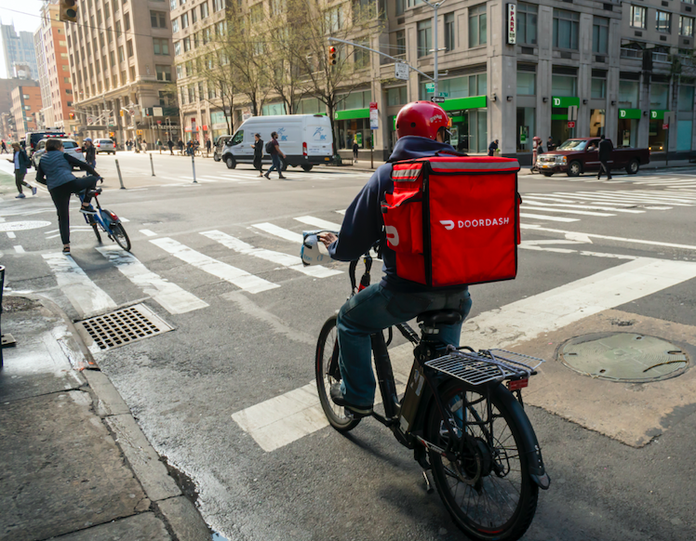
421 128
55 170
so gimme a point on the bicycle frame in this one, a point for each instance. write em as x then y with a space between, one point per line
99 217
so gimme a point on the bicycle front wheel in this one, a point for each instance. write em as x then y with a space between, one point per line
119 234
95 226
326 365
487 489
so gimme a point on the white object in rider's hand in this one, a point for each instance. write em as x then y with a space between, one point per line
313 251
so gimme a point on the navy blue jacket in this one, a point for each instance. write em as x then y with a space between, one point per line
55 169
363 225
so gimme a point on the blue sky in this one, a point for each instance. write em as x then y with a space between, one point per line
24 14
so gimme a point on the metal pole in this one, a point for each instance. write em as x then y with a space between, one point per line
120 178
435 74
193 164
667 143
152 165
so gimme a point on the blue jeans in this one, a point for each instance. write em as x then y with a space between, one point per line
276 165
376 308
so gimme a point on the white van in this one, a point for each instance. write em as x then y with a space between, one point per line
306 140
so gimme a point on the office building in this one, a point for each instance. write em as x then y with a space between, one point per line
19 53
121 69
26 100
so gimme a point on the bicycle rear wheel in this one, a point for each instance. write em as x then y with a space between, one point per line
95 226
487 490
118 233
326 365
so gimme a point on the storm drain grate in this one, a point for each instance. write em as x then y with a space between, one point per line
123 326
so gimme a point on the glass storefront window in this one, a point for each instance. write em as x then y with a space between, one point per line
526 83
684 131
273 109
659 96
656 136
563 85
526 128
597 122
458 87
628 94
397 96
357 129
628 131
311 106
686 98
599 89
354 100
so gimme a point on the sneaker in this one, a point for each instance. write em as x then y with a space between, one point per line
20 196
88 210
281 177
33 190
266 175
339 399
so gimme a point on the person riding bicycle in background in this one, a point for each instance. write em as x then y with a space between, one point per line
55 171
421 128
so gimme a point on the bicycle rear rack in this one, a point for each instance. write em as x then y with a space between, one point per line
477 368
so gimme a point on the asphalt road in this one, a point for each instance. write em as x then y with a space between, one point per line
211 260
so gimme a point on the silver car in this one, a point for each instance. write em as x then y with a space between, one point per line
70 146
104 145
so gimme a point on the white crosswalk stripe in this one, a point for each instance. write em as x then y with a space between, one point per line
286 260
318 222
238 277
85 296
170 296
280 232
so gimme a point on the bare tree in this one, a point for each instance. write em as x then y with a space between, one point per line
219 76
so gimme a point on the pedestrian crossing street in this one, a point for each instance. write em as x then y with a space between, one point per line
568 207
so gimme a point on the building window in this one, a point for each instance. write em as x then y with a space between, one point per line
686 26
401 44
256 13
397 96
425 37
194 17
158 19
118 29
478 29
172 5
179 71
526 83
599 89
175 26
164 73
564 85
132 73
277 7
527 23
663 21
121 56
361 57
177 48
204 9
218 5
686 98
334 19
566 25
161 46
400 7
126 21
449 32
638 14
129 47
659 96
628 94
184 20
187 44
600 35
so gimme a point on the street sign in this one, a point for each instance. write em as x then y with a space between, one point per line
438 99
444 95
374 116
571 124
430 87
572 112
401 71
157 111
667 120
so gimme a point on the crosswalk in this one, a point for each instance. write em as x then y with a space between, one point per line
685 179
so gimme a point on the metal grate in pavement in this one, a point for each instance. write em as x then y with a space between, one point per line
123 326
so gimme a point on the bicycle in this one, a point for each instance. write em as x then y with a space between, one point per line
105 221
464 426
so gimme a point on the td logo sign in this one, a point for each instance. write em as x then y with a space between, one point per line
653 115
556 102
622 113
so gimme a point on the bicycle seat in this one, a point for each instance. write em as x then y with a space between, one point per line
96 191
439 317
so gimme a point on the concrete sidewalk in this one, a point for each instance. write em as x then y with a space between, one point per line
74 464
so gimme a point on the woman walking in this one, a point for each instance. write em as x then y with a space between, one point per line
21 162
258 153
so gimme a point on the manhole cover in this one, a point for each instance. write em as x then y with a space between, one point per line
122 327
626 357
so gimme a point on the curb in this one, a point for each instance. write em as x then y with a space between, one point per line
180 515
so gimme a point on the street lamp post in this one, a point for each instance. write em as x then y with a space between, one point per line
436 43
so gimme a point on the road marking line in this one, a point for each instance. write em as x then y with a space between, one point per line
11 235
19 249
280 232
242 279
598 198
606 237
85 296
550 218
549 208
286 418
148 233
171 297
318 222
543 203
643 198
280 258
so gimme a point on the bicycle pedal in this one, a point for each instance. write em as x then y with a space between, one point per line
428 484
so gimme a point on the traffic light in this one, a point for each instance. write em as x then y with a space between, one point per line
332 55
72 116
68 11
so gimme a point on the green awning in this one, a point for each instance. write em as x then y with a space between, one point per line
625 114
350 114
658 114
564 101
472 102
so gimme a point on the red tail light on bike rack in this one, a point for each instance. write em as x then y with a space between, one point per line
304 149
516 384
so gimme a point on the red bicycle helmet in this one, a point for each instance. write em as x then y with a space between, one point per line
422 118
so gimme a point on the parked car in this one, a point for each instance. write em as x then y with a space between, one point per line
70 146
581 155
306 140
31 139
104 145
220 144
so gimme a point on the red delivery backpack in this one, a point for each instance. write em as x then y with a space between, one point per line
454 220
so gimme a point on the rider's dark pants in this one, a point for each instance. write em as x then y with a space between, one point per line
376 308
61 199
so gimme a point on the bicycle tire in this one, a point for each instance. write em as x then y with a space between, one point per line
327 346
118 233
471 488
95 226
